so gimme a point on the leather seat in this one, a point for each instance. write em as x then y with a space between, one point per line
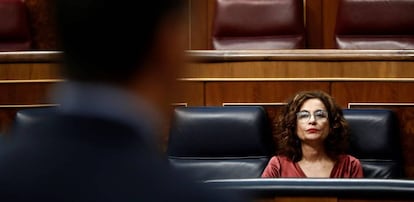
28 116
375 142
375 24
220 142
258 24
14 26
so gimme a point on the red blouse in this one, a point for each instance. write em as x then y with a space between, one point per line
281 167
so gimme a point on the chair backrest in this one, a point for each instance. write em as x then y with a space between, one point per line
258 24
375 24
375 141
220 142
14 26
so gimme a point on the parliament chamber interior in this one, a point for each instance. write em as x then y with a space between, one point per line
245 59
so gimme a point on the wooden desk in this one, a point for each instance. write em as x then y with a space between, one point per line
357 79
321 190
301 65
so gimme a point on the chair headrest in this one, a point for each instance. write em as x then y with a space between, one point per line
220 132
14 28
258 18
16 25
374 134
375 17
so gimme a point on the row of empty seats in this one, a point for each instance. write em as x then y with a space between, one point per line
279 24
270 24
236 142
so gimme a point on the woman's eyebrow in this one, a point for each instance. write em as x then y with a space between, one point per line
304 110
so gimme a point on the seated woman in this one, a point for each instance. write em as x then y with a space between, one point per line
312 136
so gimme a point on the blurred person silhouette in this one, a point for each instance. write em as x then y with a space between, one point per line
120 61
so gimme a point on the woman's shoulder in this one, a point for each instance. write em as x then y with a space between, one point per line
280 159
348 158
278 166
350 165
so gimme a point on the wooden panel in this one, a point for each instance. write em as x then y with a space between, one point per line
346 92
301 64
329 12
189 94
218 93
377 93
314 27
187 21
211 15
245 64
24 93
300 70
30 65
199 24
29 71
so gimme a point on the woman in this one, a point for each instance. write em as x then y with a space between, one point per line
312 137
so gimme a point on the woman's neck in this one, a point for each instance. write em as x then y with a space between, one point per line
313 152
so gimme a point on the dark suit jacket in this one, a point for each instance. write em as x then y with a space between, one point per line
73 158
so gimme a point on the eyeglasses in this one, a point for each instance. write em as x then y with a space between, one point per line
305 116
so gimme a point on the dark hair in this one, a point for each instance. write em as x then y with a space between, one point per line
106 40
286 138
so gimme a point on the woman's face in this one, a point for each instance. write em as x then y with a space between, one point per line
312 123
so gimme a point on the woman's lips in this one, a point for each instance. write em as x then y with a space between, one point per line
312 130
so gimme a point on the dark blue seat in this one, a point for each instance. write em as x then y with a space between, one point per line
220 142
28 116
375 141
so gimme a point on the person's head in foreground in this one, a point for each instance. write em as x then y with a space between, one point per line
120 60
312 137
138 47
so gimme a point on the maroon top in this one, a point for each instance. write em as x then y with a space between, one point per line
281 167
